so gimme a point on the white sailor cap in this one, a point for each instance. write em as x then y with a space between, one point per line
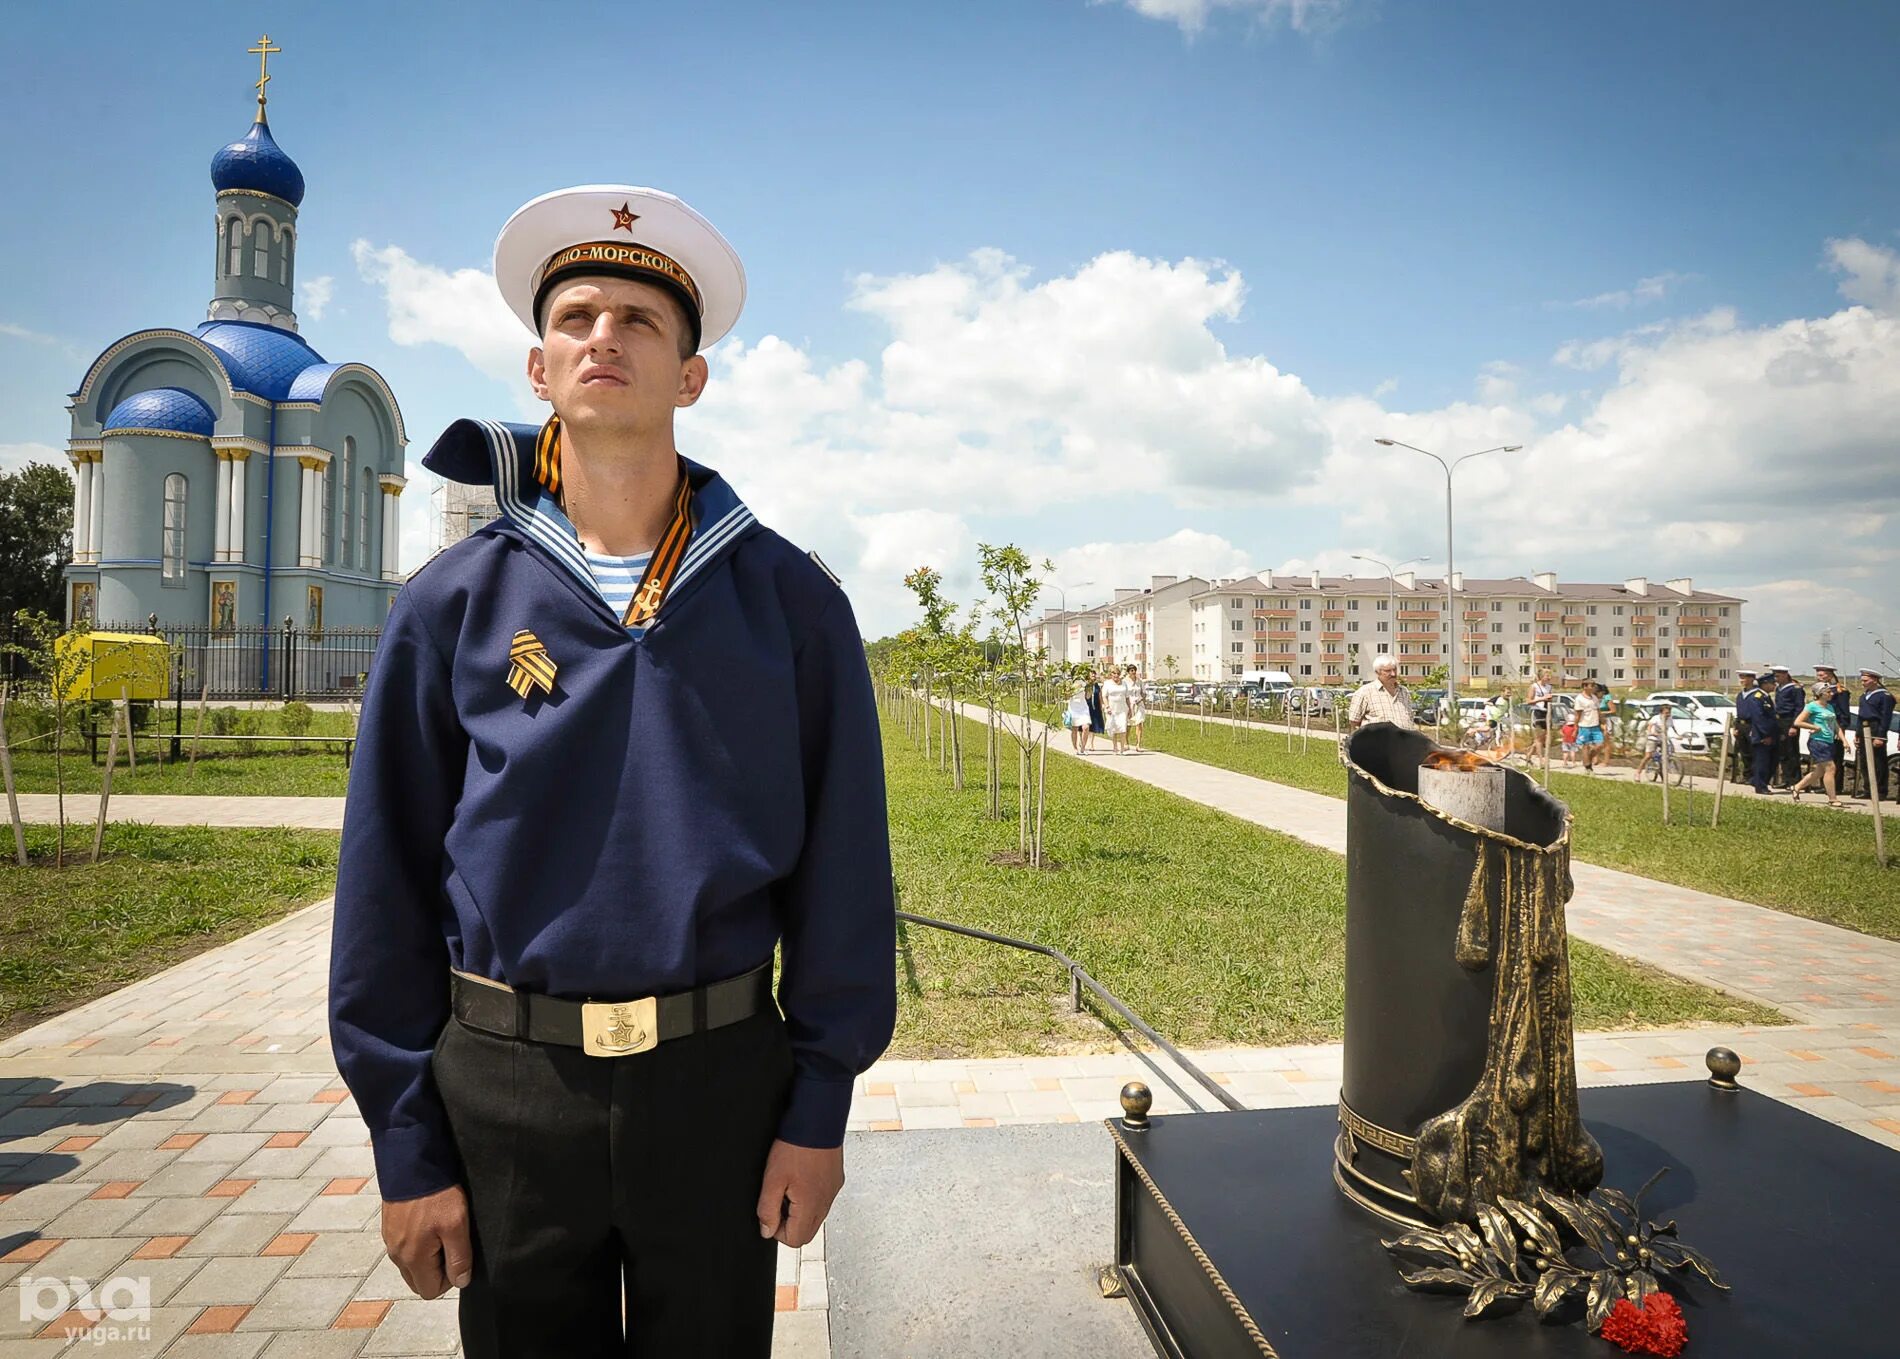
625 230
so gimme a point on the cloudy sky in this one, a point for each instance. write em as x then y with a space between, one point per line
1133 284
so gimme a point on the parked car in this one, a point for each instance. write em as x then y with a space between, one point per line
1425 704
1709 710
1471 711
1685 724
1184 692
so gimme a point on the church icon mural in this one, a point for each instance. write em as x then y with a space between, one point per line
234 446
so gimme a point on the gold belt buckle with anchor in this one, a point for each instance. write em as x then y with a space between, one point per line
616 1028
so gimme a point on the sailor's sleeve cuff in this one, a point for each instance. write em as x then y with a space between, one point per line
816 1112
413 1162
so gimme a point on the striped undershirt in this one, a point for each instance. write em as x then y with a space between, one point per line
617 578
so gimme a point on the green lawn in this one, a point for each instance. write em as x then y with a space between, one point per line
1805 860
157 896
260 769
1212 929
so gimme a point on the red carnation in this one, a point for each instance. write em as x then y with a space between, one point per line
1668 1332
1656 1327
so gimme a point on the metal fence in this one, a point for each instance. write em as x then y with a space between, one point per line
236 663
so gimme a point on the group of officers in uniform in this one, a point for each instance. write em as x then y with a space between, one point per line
1767 746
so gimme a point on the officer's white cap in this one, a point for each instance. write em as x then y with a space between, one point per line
626 230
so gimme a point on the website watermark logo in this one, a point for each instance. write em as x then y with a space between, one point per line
118 1309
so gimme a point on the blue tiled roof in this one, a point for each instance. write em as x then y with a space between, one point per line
311 382
255 161
261 360
170 408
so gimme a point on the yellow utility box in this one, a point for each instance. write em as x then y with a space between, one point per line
116 665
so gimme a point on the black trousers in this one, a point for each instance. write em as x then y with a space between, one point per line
1762 766
1872 766
1790 743
589 1174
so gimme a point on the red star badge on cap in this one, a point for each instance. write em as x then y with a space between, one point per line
624 218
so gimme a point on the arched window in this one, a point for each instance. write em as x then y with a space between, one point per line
260 247
349 461
284 239
329 517
364 498
234 241
173 572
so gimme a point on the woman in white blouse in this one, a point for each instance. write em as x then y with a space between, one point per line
1115 711
1137 708
1077 716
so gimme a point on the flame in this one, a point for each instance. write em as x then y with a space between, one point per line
1462 760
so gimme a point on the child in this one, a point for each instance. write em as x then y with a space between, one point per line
1569 733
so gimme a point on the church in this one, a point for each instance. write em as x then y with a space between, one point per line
229 475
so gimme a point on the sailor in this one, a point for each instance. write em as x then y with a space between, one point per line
1789 699
1755 711
1741 749
616 747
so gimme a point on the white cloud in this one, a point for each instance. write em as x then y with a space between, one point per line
15 456
1712 449
1302 16
1873 272
1651 289
19 332
459 308
1090 573
317 293
1497 382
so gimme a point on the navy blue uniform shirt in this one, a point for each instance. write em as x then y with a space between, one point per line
683 800
1790 699
1754 708
1876 713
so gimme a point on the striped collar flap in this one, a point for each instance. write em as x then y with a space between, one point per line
501 454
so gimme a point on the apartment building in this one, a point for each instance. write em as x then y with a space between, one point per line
1064 635
1144 627
1327 629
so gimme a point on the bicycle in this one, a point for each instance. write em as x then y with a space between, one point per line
1651 765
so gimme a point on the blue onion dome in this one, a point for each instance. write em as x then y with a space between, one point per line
257 162
162 408
262 360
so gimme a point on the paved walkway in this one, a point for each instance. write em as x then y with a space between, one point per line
190 1130
1816 972
1702 785
186 809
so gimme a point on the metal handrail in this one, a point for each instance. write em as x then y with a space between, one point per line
1078 978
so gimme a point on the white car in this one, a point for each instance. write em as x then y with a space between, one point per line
1685 726
1709 712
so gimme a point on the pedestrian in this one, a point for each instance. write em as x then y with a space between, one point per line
1076 716
1755 710
1115 711
1541 693
1875 716
1097 718
1741 747
1789 700
564 872
1588 711
1137 708
1818 719
1382 698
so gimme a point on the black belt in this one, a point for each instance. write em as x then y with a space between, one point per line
607 1028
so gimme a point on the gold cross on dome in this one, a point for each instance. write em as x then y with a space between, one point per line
264 52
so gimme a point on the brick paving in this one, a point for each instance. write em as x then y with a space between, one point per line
190 1130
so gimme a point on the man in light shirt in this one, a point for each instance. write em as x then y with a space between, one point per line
1382 698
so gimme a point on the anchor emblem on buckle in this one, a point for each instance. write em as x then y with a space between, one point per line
615 1028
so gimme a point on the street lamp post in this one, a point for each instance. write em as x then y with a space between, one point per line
1451 615
1391 581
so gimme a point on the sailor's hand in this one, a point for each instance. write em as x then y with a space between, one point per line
800 1183
428 1239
